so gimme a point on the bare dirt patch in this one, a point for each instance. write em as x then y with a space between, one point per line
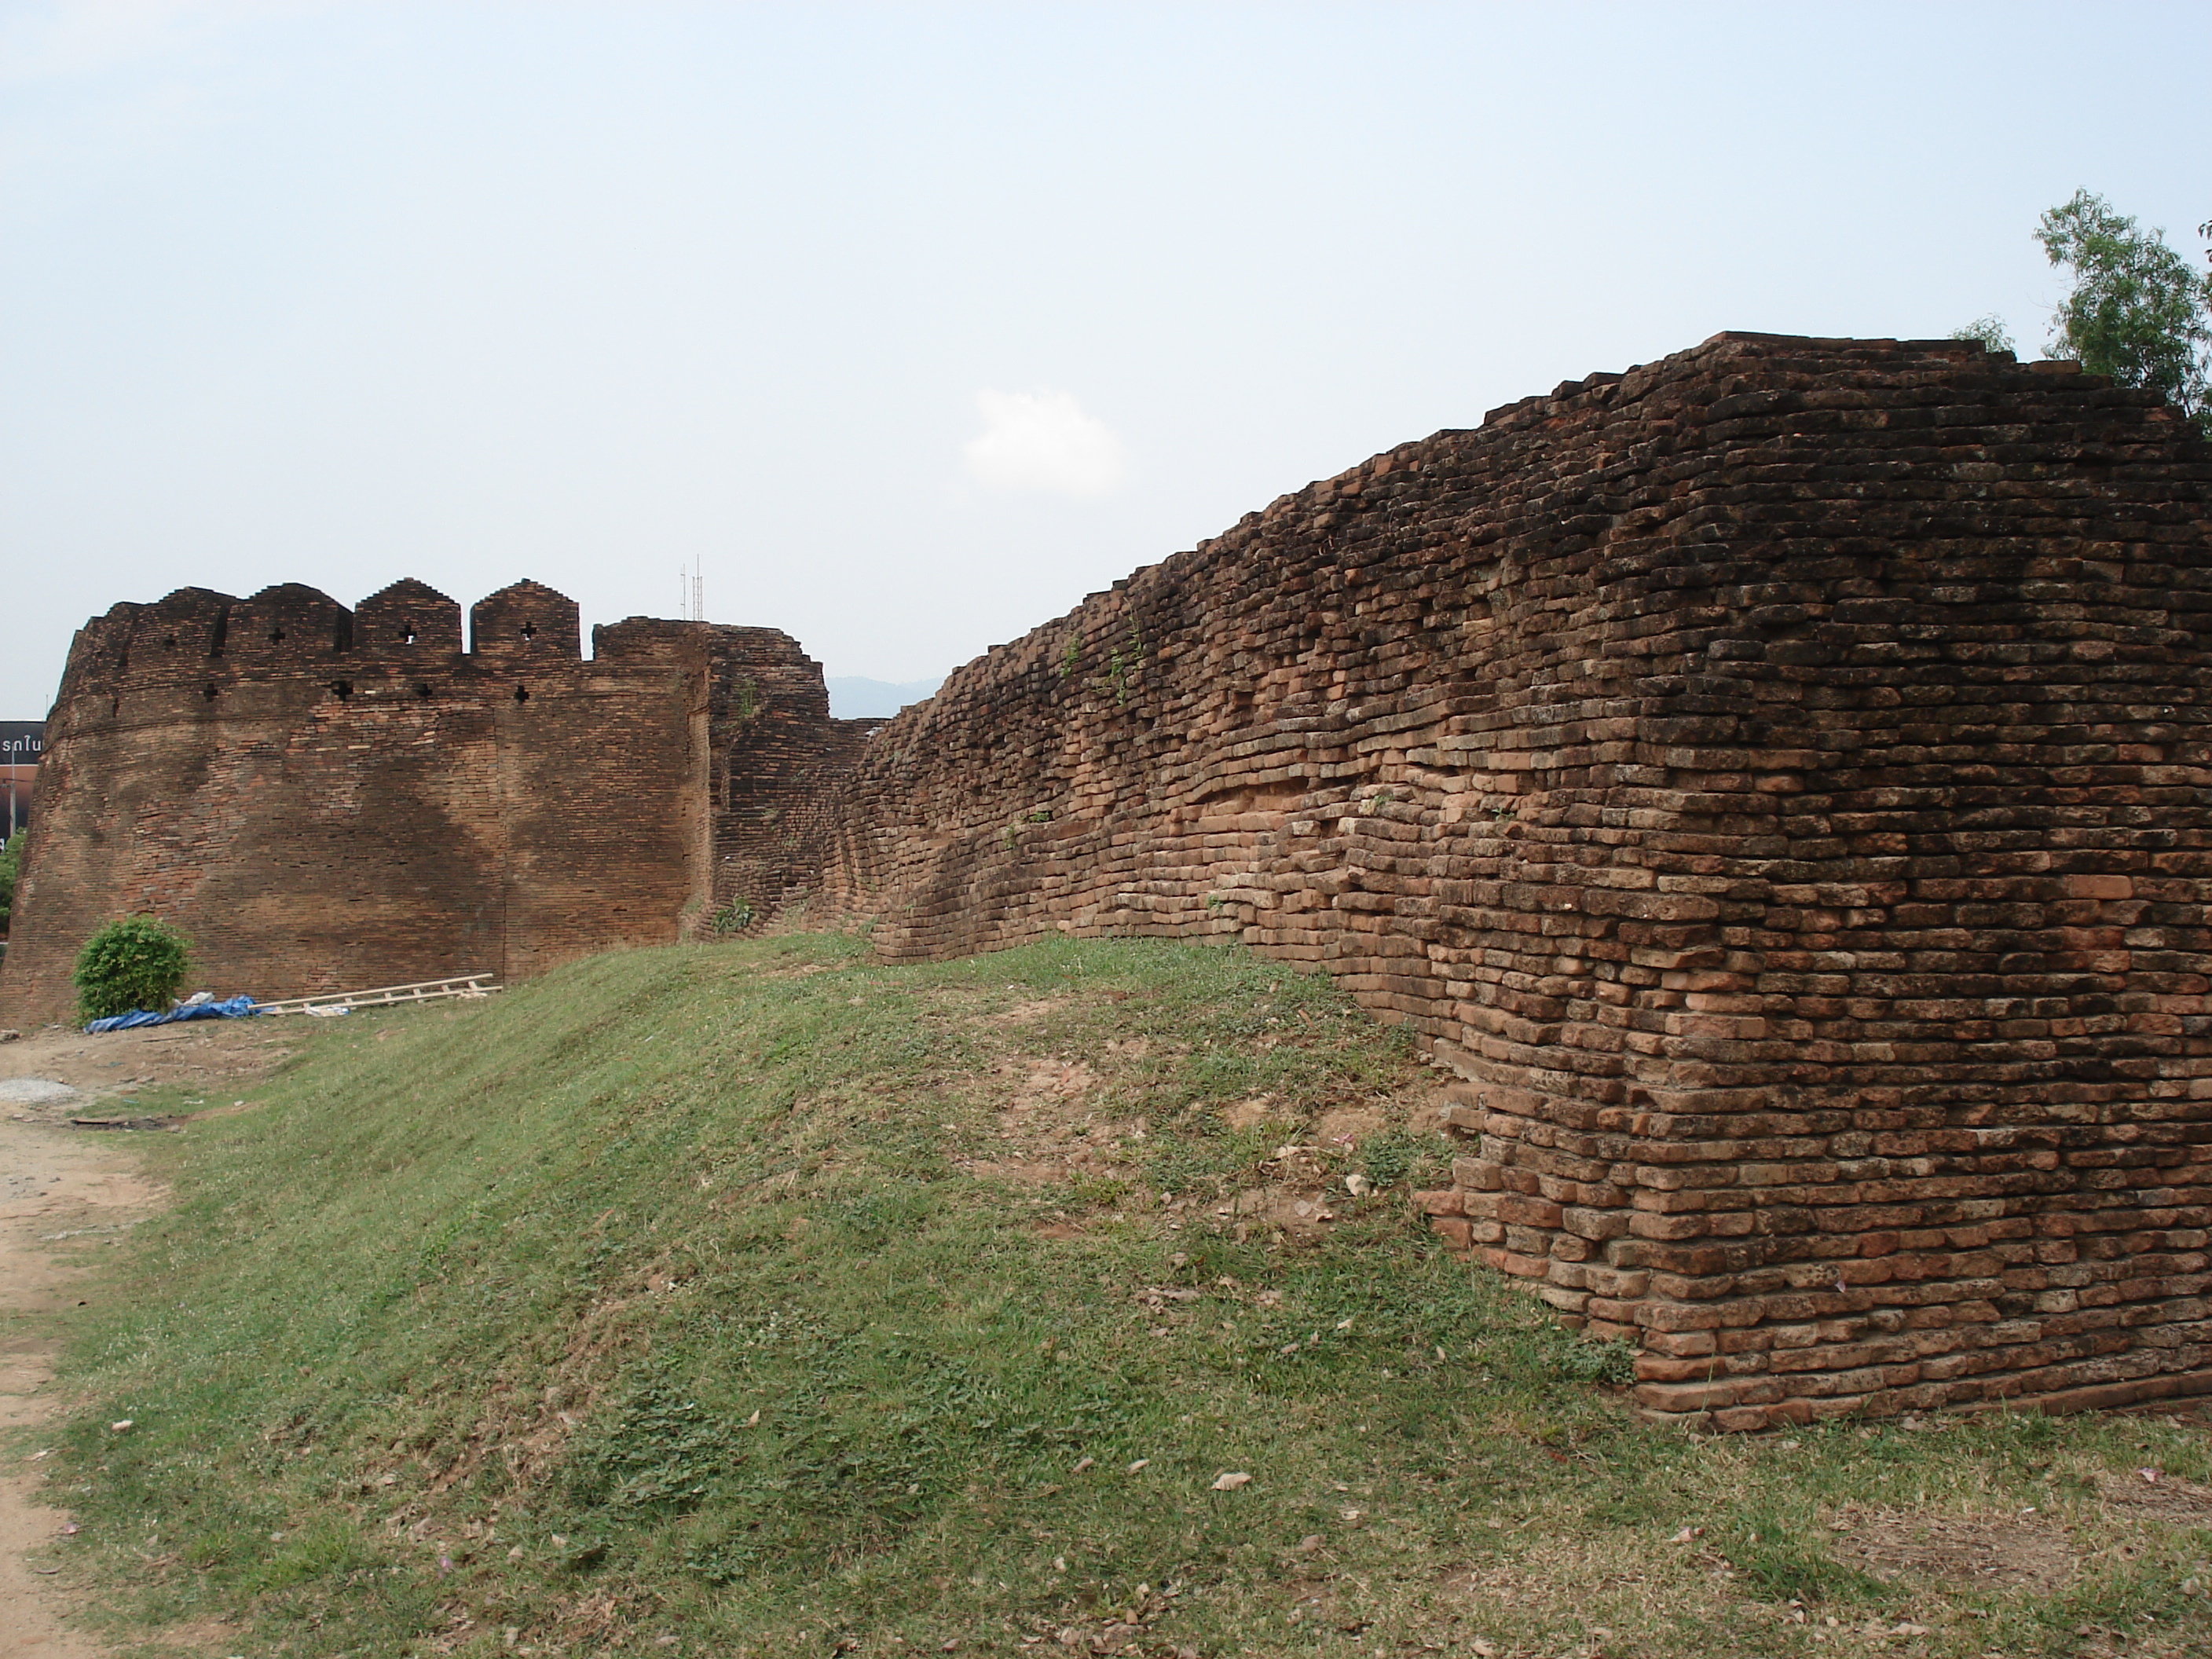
1259 1110
210 1056
1606 1587
1347 1126
1065 1123
65 1194
63 1197
2016 1552
1048 1084
803 970
1022 1012
1298 1199
1054 1134
2153 1495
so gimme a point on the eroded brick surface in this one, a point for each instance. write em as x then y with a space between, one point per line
1774 780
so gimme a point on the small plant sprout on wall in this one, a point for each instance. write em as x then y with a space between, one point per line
731 920
1010 835
1122 664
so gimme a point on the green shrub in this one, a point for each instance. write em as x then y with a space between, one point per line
11 864
135 962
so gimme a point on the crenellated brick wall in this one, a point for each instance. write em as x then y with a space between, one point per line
1774 780
326 799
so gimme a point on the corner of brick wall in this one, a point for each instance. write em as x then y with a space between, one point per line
1774 777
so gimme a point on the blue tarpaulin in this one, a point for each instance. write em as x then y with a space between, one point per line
232 1008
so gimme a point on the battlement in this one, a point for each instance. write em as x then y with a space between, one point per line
408 616
195 631
205 655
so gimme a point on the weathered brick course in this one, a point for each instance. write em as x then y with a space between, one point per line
1774 780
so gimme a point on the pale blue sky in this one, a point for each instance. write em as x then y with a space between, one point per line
914 324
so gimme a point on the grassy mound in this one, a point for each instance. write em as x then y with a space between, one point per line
756 1299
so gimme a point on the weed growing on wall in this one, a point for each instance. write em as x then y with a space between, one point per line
732 919
1122 664
133 963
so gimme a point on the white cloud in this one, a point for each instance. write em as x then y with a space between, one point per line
1042 440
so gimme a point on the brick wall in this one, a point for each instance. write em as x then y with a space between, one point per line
1774 780
328 799
773 799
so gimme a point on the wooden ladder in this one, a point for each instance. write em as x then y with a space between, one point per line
386 996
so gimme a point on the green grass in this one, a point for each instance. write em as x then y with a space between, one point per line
763 1298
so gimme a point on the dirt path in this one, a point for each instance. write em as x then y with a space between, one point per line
65 1195
88 1187
208 1060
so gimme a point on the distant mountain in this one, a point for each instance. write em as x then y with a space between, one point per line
859 699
